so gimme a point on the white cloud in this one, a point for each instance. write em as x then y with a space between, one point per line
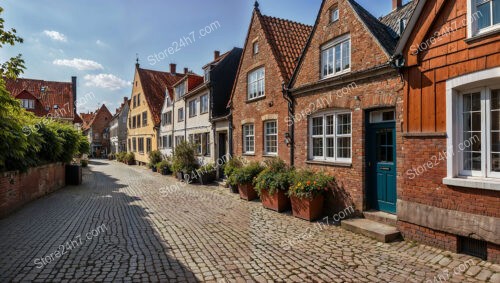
55 35
101 43
107 81
79 64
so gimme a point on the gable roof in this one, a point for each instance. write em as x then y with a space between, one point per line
216 61
49 93
89 119
385 30
287 39
154 84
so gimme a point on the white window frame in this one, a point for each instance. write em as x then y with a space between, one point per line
334 14
259 83
181 115
331 46
472 16
455 88
180 90
255 47
168 118
204 105
246 150
324 136
267 136
193 108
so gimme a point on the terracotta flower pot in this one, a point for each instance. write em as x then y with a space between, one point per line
233 189
279 201
247 192
307 209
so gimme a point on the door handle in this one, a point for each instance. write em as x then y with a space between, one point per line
385 168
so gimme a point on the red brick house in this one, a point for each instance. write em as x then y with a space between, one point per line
257 104
348 104
45 98
449 194
96 128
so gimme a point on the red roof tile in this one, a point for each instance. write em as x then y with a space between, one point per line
49 94
287 39
154 84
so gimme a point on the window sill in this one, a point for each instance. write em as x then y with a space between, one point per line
481 35
269 155
248 154
324 78
475 183
255 99
329 163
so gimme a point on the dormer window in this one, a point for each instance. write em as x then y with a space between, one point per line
334 14
28 103
180 90
483 16
402 25
207 74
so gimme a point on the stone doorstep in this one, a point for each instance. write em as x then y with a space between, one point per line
378 231
381 217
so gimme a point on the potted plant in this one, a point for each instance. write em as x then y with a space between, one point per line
129 158
184 162
272 185
206 174
229 169
120 157
154 158
163 167
111 156
307 194
245 177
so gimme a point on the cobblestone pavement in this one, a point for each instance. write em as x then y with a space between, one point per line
135 225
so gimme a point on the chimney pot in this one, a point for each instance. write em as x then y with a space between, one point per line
186 70
173 68
396 4
216 54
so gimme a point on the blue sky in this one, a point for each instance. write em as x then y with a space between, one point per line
97 41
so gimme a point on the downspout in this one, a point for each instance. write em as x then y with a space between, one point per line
287 95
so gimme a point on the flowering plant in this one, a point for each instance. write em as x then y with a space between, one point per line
308 184
276 176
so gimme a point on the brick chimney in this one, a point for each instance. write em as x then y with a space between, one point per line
173 68
186 70
396 4
73 91
216 54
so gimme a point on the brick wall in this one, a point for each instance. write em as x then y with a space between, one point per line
272 105
17 189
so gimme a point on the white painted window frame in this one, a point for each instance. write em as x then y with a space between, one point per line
472 28
267 136
331 45
245 136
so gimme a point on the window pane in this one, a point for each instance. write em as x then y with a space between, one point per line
496 12
324 62
317 126
338 64
330 147
495 130
330 127
484 18
346 54
344 124
330 61
344 147
318 147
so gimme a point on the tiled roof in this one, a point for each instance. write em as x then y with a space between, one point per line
392 20
287 39
154 85
89 118
49 94
221 57
386 29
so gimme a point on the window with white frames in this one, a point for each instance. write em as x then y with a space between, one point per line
204 104
479 133
248 139
180 115
271 137
334 16
28 103
180 90
193 108
207 74
167 118
483 16
336 57
330 137
255 48
256 83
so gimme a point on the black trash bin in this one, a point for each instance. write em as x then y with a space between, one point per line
73 175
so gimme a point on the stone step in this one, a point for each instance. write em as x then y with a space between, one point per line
378 231
382 217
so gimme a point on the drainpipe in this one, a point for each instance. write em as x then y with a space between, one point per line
291 128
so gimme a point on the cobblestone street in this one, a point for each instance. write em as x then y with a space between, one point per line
155 231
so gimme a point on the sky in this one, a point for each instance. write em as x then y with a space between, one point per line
97 41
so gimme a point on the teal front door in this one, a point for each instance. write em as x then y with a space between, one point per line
381 166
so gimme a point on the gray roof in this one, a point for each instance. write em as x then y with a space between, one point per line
385 29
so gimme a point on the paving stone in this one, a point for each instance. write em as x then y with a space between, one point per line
197 233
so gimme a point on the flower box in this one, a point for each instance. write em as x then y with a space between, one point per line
278 201
309 209
247 192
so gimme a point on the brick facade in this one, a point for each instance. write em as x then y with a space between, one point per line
371 84
16 189
445 53
273 106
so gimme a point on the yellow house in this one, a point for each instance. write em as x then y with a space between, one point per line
144 119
